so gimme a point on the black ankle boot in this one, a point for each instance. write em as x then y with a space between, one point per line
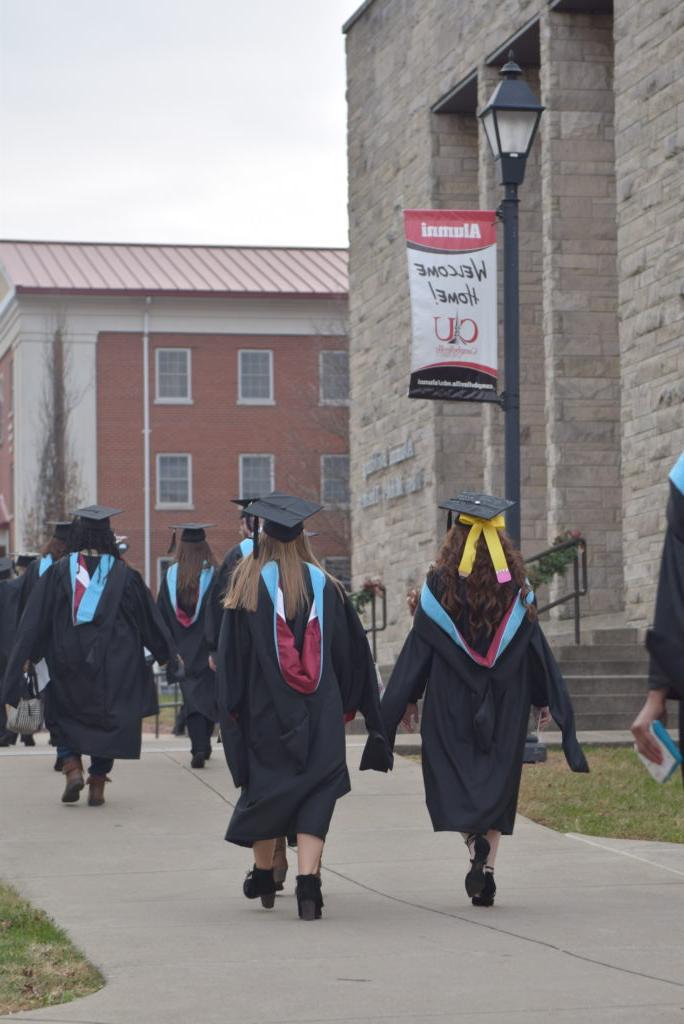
475 880
309 897
486 897
259 882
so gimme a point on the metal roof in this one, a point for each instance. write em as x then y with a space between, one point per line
178 270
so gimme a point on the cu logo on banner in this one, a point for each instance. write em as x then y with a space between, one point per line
453 329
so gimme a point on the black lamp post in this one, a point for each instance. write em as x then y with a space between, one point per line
511 119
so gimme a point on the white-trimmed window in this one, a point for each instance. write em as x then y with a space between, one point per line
335 480
256 475
255 376
162 565
339 566
174 480
333 374
173 376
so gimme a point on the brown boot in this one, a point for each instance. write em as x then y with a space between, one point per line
72 769
96 784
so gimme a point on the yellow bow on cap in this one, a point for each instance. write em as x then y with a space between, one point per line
490 528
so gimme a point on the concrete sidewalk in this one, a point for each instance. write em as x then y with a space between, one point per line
584 930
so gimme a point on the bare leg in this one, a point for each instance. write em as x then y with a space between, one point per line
309 851
280 853
493 838
263 853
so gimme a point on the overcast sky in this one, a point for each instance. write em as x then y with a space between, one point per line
174 121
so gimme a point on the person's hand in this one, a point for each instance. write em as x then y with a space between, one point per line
412 599
543 717
653 709
212 663
410 719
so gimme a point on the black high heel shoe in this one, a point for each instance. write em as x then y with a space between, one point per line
259 883
486 897
475 879
309 897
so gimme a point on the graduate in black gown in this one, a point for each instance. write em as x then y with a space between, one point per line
293 659
665 641
55 548
478 655
187 593
91 617
231 560
10 594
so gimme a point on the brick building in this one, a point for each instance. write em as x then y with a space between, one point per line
602 266
247 383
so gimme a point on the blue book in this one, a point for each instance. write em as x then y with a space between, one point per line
672 757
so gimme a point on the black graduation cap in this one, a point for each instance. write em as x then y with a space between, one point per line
283 515
243 502
192 533
97 514
24 560
61 529
6 567
472 503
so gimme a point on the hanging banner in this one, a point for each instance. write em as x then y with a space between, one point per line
452 282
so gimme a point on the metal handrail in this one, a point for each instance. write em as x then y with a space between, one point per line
580 588
374 628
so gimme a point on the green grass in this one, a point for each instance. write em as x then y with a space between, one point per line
39 966
617 799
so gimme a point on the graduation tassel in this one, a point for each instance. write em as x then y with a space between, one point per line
172 545
450 521
255 538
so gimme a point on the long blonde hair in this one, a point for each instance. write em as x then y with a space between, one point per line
290 556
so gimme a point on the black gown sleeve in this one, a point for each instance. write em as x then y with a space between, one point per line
28 582
407 683
547 679
153 630
358 680
665 641
214 612
233 660
9 619
32 638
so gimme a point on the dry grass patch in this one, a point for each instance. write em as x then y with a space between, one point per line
39 965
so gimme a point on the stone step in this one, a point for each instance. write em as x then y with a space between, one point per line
607 703
603 652
602 720
578 685
603 637
603 668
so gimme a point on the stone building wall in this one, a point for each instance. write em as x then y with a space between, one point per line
604 175
580 293
649 142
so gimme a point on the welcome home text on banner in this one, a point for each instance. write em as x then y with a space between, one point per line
452 282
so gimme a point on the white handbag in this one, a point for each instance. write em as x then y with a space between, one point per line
28 716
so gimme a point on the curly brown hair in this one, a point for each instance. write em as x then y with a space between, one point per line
486 599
